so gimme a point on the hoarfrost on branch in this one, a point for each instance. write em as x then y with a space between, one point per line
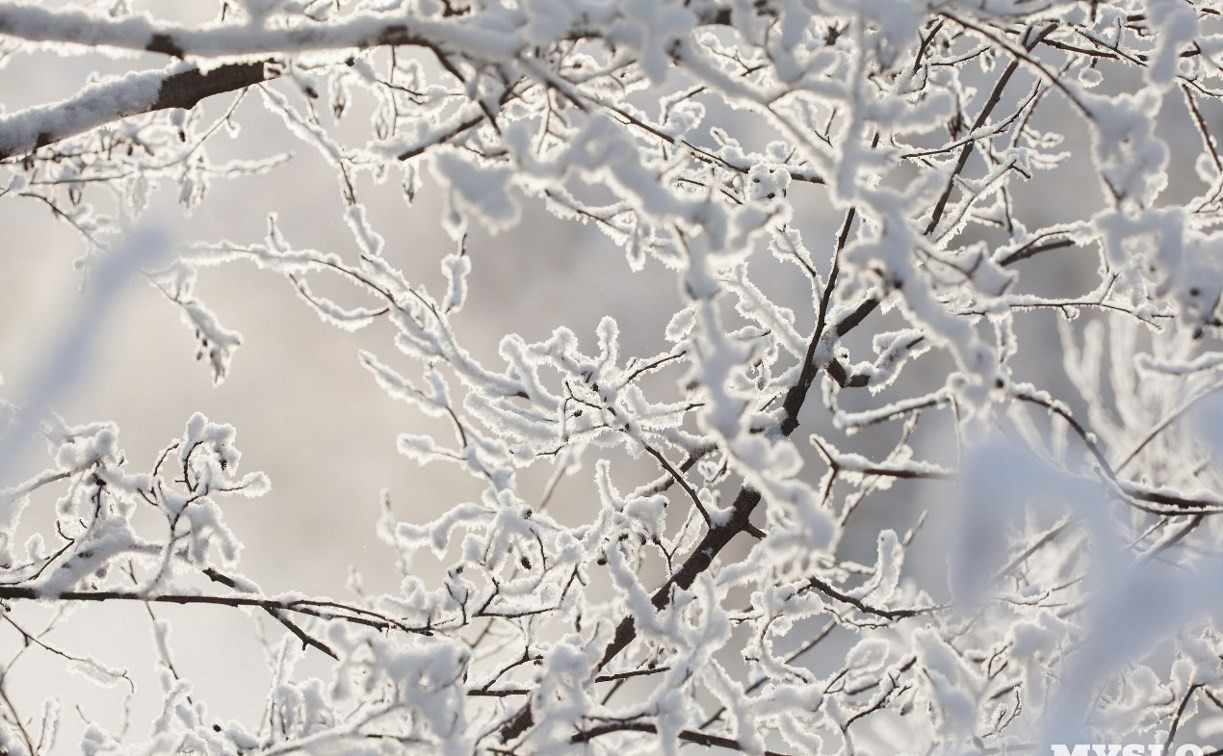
957 495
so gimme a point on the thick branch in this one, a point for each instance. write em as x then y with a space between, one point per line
187 88
700 560
470 34
176 86
363 30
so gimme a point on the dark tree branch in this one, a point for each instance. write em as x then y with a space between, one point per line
278 614
700 738
865 608
305 607
717 538
177 86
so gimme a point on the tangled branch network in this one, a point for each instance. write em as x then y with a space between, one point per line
920 456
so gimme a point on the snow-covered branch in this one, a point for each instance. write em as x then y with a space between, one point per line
973 250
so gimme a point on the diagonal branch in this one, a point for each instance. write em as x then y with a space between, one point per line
716 538
862 606
278 615
179 85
